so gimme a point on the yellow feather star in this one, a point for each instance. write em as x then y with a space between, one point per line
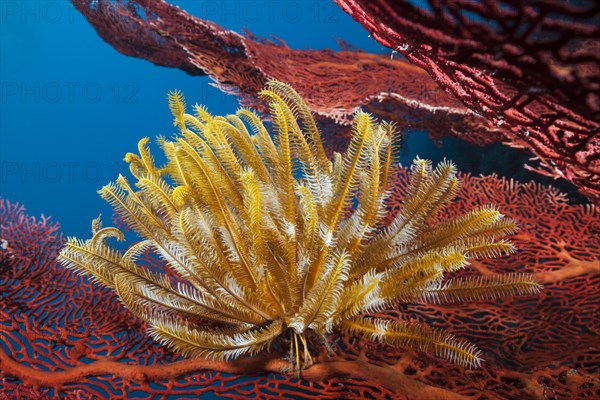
272 237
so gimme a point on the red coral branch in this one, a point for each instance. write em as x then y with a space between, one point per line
532 67
525 72
334 84
387 377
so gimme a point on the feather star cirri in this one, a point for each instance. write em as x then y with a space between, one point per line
270 238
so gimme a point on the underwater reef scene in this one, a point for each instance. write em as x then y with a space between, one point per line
266 237
304 230
485 287
526 73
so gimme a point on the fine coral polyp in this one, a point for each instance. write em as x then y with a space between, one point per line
265 238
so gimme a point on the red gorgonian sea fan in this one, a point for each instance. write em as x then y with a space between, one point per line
542 347
523 72
334 84
531 67
25 240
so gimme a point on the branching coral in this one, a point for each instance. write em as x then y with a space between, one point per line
25 239
267 237
531 67
333 83
521 72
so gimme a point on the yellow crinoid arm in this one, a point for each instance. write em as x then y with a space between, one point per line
418 337
479 288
